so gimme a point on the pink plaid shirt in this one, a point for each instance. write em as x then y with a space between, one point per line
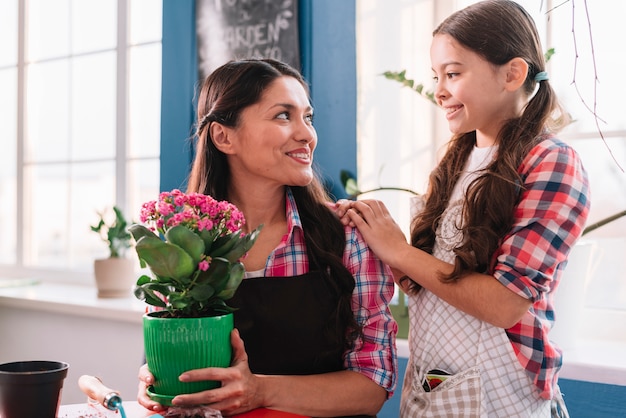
375 356
549 219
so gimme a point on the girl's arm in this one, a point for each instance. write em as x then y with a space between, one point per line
480 295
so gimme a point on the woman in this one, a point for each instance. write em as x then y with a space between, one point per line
315 335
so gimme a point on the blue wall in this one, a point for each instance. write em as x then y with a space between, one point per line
583 399
328 56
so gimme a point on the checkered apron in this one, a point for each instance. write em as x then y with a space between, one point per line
486 378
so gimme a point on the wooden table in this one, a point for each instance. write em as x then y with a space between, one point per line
134 410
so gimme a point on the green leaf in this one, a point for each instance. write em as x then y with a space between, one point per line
237 273
149 296
138 231
225 244
178 301
186 239
208 237
202 292
352 188
165 259
345 176
244 243
143 280
217 274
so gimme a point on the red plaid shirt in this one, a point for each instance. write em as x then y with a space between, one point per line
375 356
549 219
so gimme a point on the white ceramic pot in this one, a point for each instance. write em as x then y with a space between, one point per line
115 277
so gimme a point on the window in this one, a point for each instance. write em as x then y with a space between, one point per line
400 133
80 106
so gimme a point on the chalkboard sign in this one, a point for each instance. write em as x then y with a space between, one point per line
235 29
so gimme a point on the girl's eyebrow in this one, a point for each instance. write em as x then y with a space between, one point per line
447 64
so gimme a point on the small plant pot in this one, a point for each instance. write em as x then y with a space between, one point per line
176 345
31 389
115 277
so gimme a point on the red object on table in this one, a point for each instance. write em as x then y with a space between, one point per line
268 413
134 410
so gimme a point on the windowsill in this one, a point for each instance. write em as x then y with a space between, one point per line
69 299
598 358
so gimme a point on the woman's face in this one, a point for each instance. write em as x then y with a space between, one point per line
275 138
470 90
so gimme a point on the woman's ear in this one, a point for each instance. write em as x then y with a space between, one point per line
517 70
220 135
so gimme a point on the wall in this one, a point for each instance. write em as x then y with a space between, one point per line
109 349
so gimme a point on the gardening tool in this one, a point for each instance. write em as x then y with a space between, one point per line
99 393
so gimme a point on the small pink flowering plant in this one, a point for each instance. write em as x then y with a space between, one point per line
193 245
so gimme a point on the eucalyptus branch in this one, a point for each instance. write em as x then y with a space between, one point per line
399 189
604 221
400 77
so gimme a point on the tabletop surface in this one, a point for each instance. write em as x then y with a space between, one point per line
134 410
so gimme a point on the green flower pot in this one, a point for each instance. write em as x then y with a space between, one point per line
176 345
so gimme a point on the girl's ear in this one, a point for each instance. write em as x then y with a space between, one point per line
220 135
517 70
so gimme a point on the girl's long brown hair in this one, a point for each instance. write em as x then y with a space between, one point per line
222 97
498 31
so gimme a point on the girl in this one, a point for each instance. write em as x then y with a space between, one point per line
313 310
504 207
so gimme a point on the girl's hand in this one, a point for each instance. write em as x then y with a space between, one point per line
380 231
240 391
340 208
146 379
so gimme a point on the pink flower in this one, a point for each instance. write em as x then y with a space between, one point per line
203 265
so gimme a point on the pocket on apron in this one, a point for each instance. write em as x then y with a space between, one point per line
459 395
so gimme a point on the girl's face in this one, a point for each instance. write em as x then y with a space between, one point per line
470 90
275 139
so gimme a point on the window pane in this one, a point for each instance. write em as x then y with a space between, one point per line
8 188
8 33
94 25
48 29
48 211
47 135
62 204
93 191
146 21
145 101
93 107
606 27
143 183
607 181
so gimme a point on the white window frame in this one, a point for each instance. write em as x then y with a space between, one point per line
124 197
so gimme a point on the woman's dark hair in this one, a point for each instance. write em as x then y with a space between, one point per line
498 31
223 95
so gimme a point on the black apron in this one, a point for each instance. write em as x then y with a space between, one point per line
286 325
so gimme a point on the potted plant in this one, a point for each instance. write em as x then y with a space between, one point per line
193 246
115 274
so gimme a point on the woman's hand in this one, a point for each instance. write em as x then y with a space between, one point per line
240 390
146 379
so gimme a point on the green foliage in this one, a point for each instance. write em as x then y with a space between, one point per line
349 183
400 77
114 234
178 285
